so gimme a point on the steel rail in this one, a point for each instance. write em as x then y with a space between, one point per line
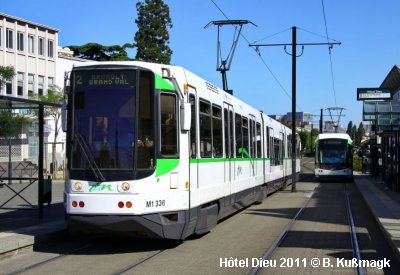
353 233
32 266
281 237
129 268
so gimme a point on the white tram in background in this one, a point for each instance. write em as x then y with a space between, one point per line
334 156
155 151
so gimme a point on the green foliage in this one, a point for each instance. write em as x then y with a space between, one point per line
360 133
11 124
355 133
308 141
6 73
53 96
349 128
152 37
357 162
98 52
305 141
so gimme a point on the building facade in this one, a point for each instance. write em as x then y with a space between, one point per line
40 64
388 127
31 49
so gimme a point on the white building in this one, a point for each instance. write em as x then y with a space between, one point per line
31 49
40 64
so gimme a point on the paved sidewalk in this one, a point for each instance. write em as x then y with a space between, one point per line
384 205
22 228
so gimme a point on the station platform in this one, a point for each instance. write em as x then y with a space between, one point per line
21 229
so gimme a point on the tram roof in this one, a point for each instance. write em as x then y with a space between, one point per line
10 102
334 135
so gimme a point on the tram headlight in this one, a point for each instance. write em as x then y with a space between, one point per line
78 186
125 186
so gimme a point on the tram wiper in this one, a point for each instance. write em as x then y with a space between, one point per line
89 157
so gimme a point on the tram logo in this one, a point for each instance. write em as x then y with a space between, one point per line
100 187
239 170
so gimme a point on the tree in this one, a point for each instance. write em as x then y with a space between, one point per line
353 134
54 95
349 128
11 125
6 74
152 37
314 135
98 52
360 134
304 139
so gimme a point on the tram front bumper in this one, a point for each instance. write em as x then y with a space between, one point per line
154 226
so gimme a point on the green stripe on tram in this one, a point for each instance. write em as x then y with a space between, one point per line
165 166
349 142
163 84
210 160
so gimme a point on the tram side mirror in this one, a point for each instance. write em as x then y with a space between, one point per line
186 116
64 117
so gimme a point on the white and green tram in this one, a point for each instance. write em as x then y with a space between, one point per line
334 156
155 151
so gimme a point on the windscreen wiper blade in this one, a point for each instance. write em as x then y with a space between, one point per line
89 157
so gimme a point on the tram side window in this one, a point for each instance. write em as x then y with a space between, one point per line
145 142
253 138
231 138
282 144
245 132
217 131
268 143
227 134
252 147
289 145
277 151
239 138
193 148
169 129
205 129
258 128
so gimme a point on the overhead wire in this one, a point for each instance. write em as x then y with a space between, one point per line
330 53
272 35
259 54
319 35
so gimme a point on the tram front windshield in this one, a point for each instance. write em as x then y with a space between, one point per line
104 119
332 151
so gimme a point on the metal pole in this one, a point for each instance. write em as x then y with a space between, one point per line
9 161
40 164
294 109
321 122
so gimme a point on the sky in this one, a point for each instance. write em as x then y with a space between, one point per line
367 29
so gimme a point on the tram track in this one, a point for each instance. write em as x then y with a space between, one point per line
143 252
299 217
142 261
49 260
354 238
282 236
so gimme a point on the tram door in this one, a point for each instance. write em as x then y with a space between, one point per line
229 165
193 144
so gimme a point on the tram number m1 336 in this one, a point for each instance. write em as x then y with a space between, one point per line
155 203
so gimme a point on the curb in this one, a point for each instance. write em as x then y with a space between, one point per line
14 241
386 225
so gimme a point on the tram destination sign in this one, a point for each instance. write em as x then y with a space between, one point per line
373 94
